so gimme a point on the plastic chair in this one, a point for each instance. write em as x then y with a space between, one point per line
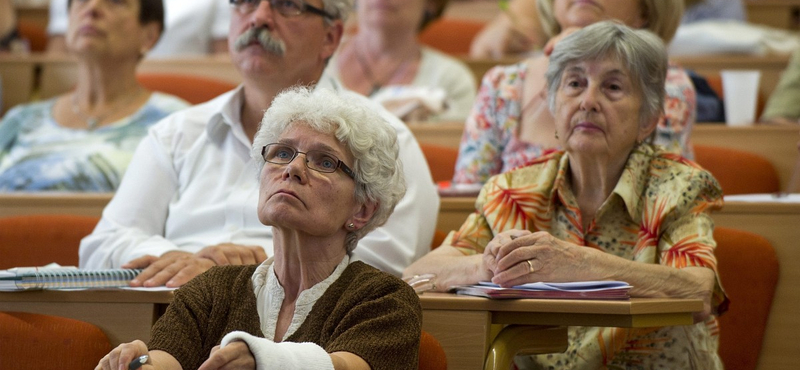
441 161
193 89
36 240
451 36
431 353
748 270
35 34
36 341
738 172
438 238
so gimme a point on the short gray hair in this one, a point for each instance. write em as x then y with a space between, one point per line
640 51
371 140
339 9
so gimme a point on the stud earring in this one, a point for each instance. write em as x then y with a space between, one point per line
351 226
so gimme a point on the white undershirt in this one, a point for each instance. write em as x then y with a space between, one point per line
270 295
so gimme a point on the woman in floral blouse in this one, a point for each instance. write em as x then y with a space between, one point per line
611 206
510 123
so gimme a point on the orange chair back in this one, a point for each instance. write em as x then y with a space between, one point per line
34 33
36 240
441 161
738 172
35 341
748 270
193 89
431 353
451 36
438 238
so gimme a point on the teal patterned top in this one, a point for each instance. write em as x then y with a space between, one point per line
36 153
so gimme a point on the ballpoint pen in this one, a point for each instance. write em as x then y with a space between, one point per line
138 362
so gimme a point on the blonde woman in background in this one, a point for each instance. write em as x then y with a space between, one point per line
385 58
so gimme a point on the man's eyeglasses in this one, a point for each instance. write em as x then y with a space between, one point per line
287 8
315 160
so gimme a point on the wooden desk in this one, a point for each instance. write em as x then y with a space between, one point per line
442 133
123 315
59 72
87 204
779 223
774 13
463 325
17 74
771 67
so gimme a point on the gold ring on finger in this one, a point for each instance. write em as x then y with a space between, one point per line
530 266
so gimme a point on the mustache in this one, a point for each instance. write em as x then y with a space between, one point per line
263 37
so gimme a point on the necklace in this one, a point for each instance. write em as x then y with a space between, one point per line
93 121
376 83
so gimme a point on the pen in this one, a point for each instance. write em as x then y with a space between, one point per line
138 362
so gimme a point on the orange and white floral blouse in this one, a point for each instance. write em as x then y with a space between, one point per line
657 213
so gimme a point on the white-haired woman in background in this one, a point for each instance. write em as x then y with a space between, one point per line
330 175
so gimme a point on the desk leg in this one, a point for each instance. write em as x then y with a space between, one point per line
524 339
464 336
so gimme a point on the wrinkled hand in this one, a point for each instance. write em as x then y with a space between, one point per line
233 254
498 39
551 44
172 269
235 356
176 268
490 252
553 260
121 357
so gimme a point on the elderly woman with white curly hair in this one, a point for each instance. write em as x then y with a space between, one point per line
330 175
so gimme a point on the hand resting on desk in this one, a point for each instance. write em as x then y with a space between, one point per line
176 268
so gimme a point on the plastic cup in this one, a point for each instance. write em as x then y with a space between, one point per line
740 88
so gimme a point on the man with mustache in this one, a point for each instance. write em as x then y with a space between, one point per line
188 201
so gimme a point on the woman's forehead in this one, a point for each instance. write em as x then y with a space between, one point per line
299 133
603 66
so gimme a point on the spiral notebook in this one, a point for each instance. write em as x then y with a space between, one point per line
65 278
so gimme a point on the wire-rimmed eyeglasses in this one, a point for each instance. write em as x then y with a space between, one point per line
287 8
315 160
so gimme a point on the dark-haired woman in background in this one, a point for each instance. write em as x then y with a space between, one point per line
83 140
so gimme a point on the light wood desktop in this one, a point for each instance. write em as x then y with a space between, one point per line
774 13
123 315
779 223
85 204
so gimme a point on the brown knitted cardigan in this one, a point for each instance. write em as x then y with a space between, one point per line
366 312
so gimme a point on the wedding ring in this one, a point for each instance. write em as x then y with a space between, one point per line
530 266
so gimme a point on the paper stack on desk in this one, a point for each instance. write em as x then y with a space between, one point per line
573 290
